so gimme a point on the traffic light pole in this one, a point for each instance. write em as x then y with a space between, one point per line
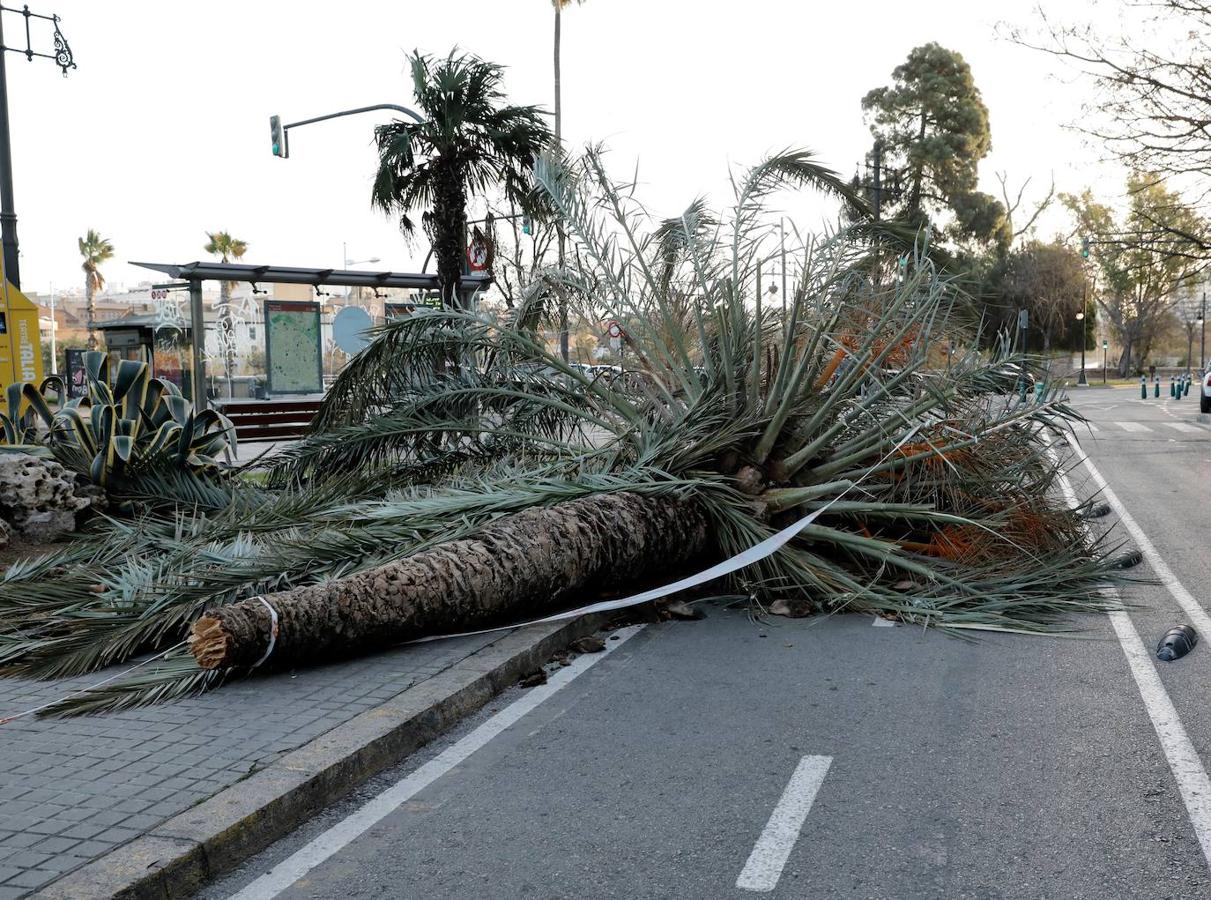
8 213
285 154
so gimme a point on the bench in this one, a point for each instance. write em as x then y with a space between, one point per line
269 420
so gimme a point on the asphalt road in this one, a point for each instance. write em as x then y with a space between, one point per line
1005 767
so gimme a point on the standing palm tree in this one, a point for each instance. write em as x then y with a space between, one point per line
470 140
563 299
227 248
95 250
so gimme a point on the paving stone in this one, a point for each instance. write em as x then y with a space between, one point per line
92 784
54 845
27 859
31 878
83 830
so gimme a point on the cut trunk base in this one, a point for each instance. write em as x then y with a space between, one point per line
524 565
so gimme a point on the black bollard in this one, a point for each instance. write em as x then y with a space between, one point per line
1177 642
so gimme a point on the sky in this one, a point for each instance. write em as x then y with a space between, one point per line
161 134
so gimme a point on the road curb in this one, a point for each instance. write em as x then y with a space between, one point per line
177 857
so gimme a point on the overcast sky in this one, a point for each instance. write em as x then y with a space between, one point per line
162 132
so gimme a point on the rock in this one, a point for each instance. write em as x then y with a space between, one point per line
793 608
40 498
44 527
534 679
680 610
587 644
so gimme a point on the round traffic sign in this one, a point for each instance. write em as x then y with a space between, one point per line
615 330
349 327
477 255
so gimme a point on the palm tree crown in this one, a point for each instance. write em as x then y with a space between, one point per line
471 140
95 250
224 246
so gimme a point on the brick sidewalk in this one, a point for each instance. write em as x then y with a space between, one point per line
74 789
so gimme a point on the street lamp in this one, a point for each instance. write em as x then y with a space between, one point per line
1202 340
349 263
1080 317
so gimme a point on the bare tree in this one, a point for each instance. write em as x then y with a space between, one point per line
1012 206
1150 104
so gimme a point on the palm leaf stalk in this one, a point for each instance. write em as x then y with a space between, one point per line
942 507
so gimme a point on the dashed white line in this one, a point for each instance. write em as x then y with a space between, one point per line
773 848
1185 427
348 829
1134 426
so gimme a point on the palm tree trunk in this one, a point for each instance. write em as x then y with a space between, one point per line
91 306
226 332
524 565
449 232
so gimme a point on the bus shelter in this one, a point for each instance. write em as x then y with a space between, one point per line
294 318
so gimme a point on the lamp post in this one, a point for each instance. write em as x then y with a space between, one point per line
8 214
354 262
1080 317
1202 339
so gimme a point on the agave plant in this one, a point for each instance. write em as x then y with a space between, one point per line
492 482
121 430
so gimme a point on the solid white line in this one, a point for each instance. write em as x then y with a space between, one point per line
1134 426
1183 759
1184 426
1198 616
290 870
773 848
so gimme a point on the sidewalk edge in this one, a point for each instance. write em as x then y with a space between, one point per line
179 856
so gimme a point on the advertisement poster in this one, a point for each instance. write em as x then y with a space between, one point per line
75 375
20 342
293 354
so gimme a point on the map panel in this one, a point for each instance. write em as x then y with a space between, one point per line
293 348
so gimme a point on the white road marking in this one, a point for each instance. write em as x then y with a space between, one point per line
1134 426
1198 616
881 622
336 838
773 848
1092 427
1185 427
1184 761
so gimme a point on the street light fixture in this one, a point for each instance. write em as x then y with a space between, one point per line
1080 317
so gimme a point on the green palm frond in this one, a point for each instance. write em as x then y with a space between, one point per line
933 487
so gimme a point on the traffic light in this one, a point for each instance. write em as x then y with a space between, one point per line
527 225
279 136
1084 248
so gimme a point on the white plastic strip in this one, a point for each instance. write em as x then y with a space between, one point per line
755 553
273 632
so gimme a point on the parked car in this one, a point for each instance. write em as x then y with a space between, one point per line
1204 397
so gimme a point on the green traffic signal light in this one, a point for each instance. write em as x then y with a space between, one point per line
527 225
278 136
1085 248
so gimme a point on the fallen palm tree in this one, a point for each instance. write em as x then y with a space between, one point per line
439 497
